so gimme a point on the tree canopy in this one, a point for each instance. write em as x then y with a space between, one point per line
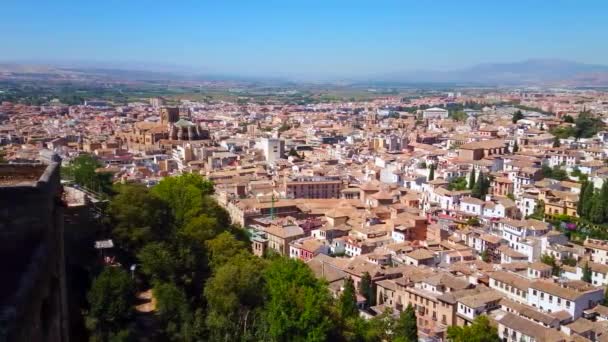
481 187
480 331
110 298
406 328
347 304
458 183
518 115
298 304
82 170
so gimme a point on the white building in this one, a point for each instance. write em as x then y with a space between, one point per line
472 205
435 113
598 250
573 297
273 148
182 155
524 236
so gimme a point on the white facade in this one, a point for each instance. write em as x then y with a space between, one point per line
495 211
273 149
435 113
471 206
548 300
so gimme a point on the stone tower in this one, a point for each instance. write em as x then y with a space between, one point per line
169 115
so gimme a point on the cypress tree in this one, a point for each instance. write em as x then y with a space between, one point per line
586 273
556 142
604 201
515 147
596 212
472 179
347 303
366 289
432 172
581 199
480 189
588 200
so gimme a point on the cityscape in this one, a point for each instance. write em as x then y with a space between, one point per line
277 193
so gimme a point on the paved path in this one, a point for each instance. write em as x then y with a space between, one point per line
145 318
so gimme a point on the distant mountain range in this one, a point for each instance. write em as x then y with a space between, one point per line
539 72
529 72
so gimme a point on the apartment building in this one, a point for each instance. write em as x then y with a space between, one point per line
571 296
313 187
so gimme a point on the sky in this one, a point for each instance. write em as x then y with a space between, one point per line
307 37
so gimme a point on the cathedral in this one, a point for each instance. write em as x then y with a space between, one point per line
172 130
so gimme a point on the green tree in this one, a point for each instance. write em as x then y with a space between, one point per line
366 289
185 195
569 261
201 229
235 298
458 183
297 306
485 256
293 153
83 171
172 309
432 172
110 298
596 212
515 147
550 260
473 221
539 211
223 247
518 115
481 187
472 178
556 142
406 328
159 262
605 302
563 132
587 273
588 200
568 119
347 304
137 217
480 331
284 127
556 173
603 195
587 125
381 327
581 199
458 115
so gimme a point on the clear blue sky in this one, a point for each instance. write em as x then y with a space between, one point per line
304 37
